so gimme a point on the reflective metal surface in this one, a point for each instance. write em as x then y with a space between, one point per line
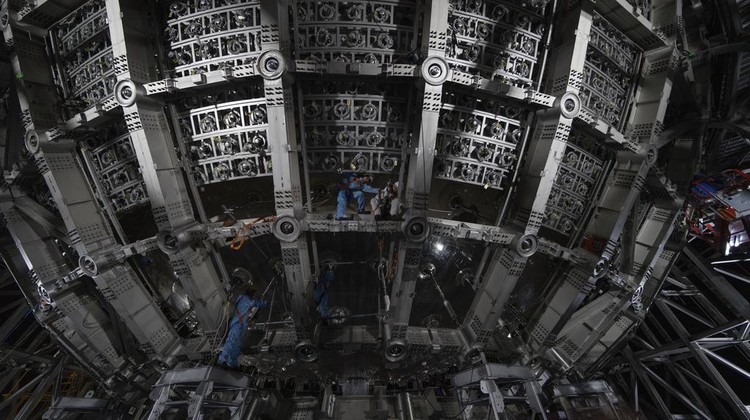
164 157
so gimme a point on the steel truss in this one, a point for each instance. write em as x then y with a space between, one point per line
565 332
691 352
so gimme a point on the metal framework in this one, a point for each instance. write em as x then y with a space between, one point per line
691 349
556 111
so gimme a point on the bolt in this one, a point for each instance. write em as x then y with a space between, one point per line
287 228
272 64
395 349
570 105
170 241
126 92
89 264
435 70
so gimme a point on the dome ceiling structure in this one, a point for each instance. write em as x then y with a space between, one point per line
168 154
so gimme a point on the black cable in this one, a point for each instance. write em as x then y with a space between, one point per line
458 398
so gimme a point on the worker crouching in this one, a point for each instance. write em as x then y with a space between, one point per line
353 187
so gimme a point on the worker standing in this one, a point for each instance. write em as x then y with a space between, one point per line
354 187
386 204
230 353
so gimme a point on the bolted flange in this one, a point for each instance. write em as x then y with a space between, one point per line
88 266
271 64
168 242
570 105
92 265
474 353
435 70
31 141
416 229
286 228
162 365
306 351
125 92
525 245
601 268
395 350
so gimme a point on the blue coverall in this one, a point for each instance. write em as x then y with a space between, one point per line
232 346
353 188
321 292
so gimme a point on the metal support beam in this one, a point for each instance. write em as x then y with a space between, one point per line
685 400
718 284
273 66
547 147
160 167
739 407
646 381
41 255
492 294
690 351
435 72
33 400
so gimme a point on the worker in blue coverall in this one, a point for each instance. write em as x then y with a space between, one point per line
353 187
321 292
230 353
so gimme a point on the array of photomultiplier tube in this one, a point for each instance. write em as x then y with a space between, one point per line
351 126
116 166
609 72
85 69
499 40
228 140
478 139
354 126
208 35
575 185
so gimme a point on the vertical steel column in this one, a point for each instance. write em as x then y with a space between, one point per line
619 197
553 126
284 148
492 294
157 157
546 149
435 72
57 325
